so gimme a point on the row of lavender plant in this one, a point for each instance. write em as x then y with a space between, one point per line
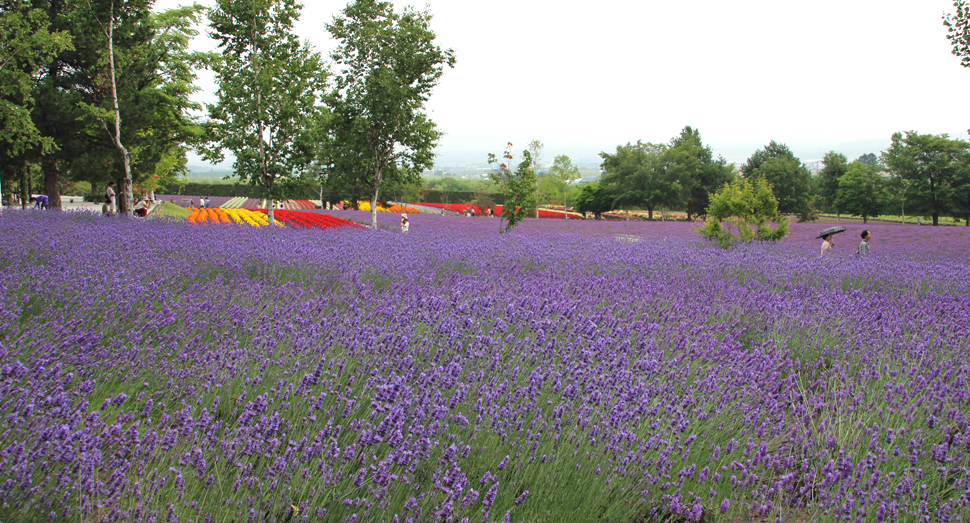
154 371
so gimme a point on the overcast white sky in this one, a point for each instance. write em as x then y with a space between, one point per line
586 76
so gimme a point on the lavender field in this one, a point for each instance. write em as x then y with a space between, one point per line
159 371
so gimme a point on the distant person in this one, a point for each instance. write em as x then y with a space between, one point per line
919 221
405 225
109 195
827 244
106 208
191 202
40 201
864 244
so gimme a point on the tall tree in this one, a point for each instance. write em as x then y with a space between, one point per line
594 198
835 166
139 126
26 44
862 191
535 149
563 172
518 187
636 177
73 77
931 164
389 63
961 195
693 165
270 87
788 177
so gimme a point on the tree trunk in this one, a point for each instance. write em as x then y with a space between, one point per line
373 201
24 186
936 218
51 181
6 191
127 197
649 213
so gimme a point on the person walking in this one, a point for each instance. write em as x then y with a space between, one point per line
828 243
864 244
109 195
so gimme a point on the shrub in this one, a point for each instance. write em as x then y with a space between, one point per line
749 210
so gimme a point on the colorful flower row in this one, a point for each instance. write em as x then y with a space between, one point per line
304 204
309 220
219 215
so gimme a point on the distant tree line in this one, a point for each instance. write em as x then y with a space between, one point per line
922 174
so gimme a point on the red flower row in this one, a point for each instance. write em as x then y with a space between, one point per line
309 220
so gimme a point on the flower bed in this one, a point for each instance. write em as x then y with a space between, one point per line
228 216
309 220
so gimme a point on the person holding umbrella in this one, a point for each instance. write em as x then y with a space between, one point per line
827 242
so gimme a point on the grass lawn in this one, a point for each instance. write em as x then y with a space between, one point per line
170 210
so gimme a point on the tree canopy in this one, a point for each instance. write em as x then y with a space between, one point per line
834 168
26 45
636 178
931 166
270 86
518 186
695 169
388 63
788 177
594 199
563 172
862 191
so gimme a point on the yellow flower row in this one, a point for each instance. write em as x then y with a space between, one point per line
237 216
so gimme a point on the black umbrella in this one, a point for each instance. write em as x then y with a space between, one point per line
830 230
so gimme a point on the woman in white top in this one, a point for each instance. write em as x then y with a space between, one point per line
827 244
404 222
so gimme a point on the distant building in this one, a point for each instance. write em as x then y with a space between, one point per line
588 179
